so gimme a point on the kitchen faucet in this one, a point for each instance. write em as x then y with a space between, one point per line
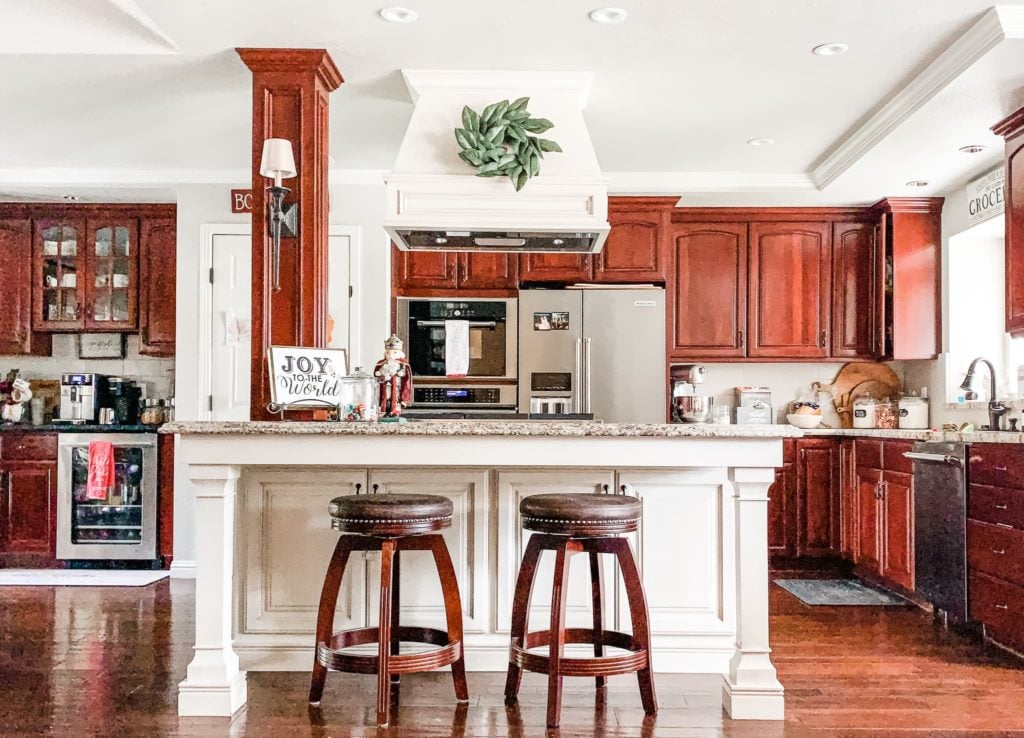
996 409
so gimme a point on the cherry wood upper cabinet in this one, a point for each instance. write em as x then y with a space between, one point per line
562 268
853 252
158 244
16 336
58 255
790 289
1012 129
488 271
908 283
637 247
708 290
424 270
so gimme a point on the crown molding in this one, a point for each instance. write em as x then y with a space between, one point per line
996 25
673 183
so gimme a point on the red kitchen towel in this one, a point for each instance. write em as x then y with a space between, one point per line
101 470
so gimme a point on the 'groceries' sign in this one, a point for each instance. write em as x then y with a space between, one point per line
310 377
985 196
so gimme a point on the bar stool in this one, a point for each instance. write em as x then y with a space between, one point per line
569 524
389 523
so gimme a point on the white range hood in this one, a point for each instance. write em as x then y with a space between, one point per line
435 201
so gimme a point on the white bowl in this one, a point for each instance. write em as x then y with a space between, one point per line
804 421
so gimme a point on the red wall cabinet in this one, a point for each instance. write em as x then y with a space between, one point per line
435 273
708 291
16 335
157 286
853 258
1012 129
637 247
561 268
485 271
424 270
790 290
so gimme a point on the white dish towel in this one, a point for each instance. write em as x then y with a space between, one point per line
456 348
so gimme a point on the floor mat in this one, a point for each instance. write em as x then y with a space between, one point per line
838 592
78 578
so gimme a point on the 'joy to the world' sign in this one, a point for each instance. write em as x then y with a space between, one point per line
301 376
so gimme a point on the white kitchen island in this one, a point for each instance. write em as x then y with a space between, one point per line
263 539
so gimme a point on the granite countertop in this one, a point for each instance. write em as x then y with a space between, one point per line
485 428
571 429
72 428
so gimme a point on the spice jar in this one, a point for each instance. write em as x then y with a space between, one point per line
152 412
885 415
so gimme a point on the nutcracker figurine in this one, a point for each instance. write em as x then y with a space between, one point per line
394 375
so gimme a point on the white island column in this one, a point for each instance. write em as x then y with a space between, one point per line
752 690
214 685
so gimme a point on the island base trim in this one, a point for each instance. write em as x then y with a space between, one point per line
751 703
212 700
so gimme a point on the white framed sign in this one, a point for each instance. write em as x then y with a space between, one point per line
306 377
985 196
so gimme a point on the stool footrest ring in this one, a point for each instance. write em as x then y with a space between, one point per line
445 653
594 666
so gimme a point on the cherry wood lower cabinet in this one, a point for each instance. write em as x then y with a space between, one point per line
848 524
803 503
28 498
995 541
16 336
884 544
782 501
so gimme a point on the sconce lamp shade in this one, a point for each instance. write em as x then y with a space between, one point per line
278 161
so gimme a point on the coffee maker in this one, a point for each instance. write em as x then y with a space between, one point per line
81 397
687 405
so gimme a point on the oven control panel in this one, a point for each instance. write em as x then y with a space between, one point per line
457 395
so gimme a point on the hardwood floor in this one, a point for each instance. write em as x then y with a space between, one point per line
78 661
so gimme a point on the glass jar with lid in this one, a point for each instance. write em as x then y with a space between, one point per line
886 415
358 397
864 412
152 412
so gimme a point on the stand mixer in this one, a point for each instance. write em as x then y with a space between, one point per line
687 405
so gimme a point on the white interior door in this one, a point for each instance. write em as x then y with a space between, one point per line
340 265
230 327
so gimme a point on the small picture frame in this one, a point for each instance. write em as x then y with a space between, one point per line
100 345
555 321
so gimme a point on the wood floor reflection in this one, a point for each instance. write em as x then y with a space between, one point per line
78 661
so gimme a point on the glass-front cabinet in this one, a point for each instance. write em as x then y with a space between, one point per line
86 275
106 496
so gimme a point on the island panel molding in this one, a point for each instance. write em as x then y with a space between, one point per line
291 89
705 502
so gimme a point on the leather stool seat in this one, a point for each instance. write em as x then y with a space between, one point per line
390 514
580 515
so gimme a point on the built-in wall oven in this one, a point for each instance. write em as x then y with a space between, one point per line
487 329
113 514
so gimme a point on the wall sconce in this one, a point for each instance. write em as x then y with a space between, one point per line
279 163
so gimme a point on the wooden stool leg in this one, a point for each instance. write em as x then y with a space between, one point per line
556 646
638 615
521 613
396 606
325 613
452 611
596 589
387 554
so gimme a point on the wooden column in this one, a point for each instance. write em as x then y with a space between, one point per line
290 89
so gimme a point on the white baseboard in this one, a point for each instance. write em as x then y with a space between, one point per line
183 569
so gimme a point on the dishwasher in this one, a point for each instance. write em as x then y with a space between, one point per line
940 526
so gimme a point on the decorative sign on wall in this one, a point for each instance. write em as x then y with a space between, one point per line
306 377
241 201
100 345
985 196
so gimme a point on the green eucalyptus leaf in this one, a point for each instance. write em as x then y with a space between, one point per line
500 111
515 132
470 119
537 125
521 180
546 144
471 158
463 139
534 168
495 134
506 159
519 104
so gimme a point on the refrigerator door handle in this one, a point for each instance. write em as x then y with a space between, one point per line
586 375
577 390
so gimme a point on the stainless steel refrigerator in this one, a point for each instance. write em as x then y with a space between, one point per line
595 350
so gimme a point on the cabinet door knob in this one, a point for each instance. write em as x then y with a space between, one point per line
823 339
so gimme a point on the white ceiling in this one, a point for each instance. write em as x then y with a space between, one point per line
121 95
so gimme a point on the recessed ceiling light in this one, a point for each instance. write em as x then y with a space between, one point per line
972 149
761 141
608 15
70 198
833 48
917 183
398 14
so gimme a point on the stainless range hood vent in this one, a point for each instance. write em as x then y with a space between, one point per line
575 242
435 201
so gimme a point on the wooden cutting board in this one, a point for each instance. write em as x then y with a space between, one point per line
858 379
